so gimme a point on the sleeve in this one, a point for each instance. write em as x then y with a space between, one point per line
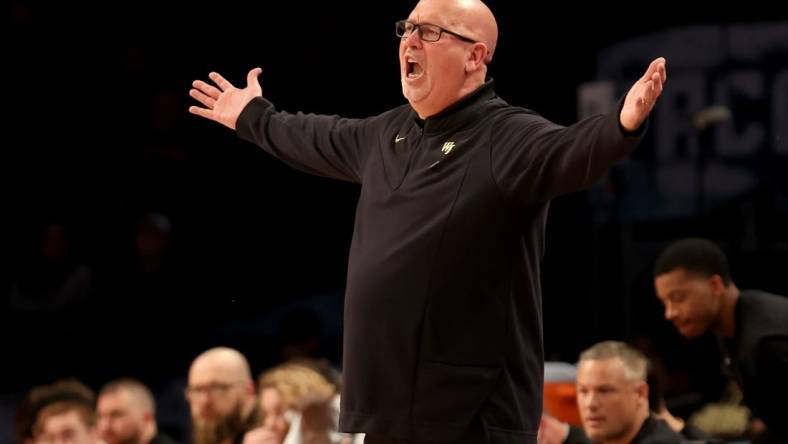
771 369
534 160
327 146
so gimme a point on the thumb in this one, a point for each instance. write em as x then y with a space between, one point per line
251 78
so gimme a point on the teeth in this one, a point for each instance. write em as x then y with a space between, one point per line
413 68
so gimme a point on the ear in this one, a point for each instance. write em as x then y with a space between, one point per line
250 388
476 57
642 390
717 284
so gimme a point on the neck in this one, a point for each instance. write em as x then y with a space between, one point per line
148 435
674 422
471 85
726 321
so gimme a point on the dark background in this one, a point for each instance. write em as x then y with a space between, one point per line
99 135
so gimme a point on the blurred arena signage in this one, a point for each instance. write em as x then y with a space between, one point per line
720 129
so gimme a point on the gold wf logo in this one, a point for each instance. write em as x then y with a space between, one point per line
447 147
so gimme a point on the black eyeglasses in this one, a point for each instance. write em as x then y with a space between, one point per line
427 32
213 390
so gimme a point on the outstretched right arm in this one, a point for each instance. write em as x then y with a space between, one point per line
322 145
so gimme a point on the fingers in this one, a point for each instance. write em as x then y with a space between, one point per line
223 83
654 88
648 95
213 92
224 95
656 65
653 79
209 102
658 81
251 78
202 112
207 89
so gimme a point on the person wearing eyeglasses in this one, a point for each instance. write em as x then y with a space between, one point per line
222 397
442 317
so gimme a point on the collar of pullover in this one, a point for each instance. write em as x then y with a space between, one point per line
460 113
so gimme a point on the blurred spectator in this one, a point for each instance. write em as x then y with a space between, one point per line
299 405
61 413
693 281
51 276
612 396
222 397
127 414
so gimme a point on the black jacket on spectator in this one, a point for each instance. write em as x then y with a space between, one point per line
757 355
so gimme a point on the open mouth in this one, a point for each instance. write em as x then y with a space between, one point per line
413 69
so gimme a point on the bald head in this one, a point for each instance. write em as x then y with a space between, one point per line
221 395
223 361
471 18
439 70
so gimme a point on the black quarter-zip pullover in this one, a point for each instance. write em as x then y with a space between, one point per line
442 317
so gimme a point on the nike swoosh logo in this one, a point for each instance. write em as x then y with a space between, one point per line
398 139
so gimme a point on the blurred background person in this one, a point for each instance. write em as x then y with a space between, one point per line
693 281
64 413
127 414
222 397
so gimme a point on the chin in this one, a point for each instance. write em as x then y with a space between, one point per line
597 436
416 91
414 97
690 332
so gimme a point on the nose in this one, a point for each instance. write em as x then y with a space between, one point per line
670 311
412 40
103 425
587 402
202 404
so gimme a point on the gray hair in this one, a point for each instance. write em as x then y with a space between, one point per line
635 362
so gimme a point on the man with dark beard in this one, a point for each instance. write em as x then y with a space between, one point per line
221 396
127 414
